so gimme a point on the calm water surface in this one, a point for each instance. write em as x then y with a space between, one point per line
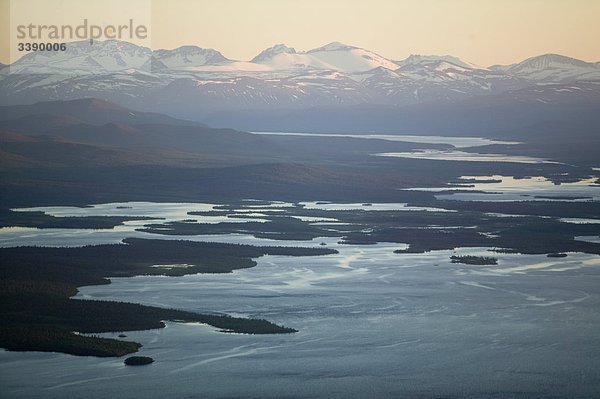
372 324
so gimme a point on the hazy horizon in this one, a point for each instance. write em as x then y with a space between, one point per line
303 50
482 32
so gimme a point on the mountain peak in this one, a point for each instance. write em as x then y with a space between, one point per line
188 56
105 45
559 67
83 56
271 52
185 50
333 46
417 59
549 60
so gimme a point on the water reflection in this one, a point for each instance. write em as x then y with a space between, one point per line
509 188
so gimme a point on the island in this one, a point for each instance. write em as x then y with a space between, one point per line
138 360
557 255
37 285
474 260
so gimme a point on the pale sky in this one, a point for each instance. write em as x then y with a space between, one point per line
484 32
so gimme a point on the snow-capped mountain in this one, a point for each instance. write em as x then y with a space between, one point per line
283 58
554 68
85 57
272 52
423 60
198 80
334 56
350 59
186 57
412 84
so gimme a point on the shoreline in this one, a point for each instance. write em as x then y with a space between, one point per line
41 314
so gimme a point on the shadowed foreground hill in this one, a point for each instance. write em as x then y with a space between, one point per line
61 153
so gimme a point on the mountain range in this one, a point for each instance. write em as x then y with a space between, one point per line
202 84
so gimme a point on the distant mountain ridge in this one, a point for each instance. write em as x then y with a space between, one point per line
92 111
193 82
416 59
115 55
188 56
558 68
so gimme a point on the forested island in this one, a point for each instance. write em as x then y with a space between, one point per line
444 226
37 283
474 260
138 360
41 220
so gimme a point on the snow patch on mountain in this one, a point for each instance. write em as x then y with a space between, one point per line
268 54
85 57
280 76
333 46
416 59
333 56
290 61
555 67
185 57
549 61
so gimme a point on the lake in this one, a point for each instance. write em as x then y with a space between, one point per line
455 155
508 188
456 141
371 323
